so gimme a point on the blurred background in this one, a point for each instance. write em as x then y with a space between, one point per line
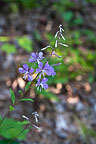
67 110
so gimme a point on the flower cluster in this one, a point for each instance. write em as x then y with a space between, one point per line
43 69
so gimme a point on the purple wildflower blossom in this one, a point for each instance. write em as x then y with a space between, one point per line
36 57
53 53
27 72
46 69
42 83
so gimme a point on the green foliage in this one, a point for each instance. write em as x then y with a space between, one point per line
78 20
25 122
68 15
25 4
91 1
20 92
74 61
47 94
8 48
12 96
6 142
86 132
26 99
0 118
4 38
11 128
37 36
63 5
90 36
27 86
25 43
11 108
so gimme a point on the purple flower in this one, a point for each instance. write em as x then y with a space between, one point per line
27 72
46 69
42 83
36 57
53 53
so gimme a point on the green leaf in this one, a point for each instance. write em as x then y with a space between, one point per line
20 92
68 16
7 141
8 48
4 38
26 99
25 43
48 94
0 118
11 108
12 96
11 128
27 86
25 122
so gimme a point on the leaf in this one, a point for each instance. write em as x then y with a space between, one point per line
27 86
11 108
68 16
0 118
8 48
25 122
7 141
25 43
12 96
20 92
48 95
11 128
26 99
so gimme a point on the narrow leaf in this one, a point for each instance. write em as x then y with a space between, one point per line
26 99
11 108
25 122
20 92
27 86
12 96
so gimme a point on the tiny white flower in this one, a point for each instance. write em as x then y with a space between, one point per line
62 36
56 43
56 34
36 127
46 47
36 115
63 44
25 117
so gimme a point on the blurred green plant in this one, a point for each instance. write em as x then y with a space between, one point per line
25 43
74 61
10 128
7 141
86 131
8 48
25 4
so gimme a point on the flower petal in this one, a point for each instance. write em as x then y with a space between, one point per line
38 84
45 86
31 60
41 55
39 80
21 70
30 78
40 65
33 55
31 70
25 66
46 66
38 70
44 80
